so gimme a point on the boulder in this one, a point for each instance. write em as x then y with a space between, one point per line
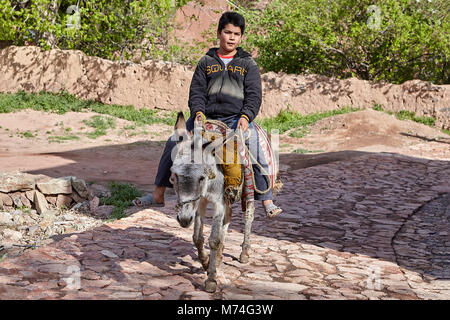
55 186
63 200
30 195
40 202
11 235
93 204
76 197
81 206
16 198
103 212
6 218
25 201
16 181
80 186
51 199
6 199
100 191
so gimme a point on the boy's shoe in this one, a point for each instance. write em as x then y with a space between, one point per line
147 201
272 210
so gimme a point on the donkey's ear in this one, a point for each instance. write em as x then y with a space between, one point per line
180 124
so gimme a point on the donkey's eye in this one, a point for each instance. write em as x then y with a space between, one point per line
201 179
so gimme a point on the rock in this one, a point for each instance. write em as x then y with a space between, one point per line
63 200
33 215
11 235
80 186
40 202
25 200
55 186
18 219
76 197
93 204
48 216
6 199
109 254
103 212
100 191
30 195
16 199
82 206
51 199
68 217
16 181
32 230
6 218
28 219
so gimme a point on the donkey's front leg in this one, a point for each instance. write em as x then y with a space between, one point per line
249 215
216 247
198 234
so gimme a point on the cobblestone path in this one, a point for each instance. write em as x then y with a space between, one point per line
376 226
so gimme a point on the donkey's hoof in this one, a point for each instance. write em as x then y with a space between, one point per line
243 258
210 286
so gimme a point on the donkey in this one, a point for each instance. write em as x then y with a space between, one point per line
196 183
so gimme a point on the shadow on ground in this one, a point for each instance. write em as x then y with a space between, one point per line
350 201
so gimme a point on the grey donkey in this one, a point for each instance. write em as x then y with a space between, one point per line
198 179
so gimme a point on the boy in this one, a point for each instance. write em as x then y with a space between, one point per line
226 86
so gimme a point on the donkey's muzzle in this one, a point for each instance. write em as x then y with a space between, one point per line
185 222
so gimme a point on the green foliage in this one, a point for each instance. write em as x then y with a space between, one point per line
409 115
397 40
60 139
26 134
112 29
289 119
378 107
305 151
100 124
121 198
64 102
299 133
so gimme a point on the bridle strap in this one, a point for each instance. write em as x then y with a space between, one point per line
182 203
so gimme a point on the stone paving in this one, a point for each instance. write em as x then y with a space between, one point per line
372 227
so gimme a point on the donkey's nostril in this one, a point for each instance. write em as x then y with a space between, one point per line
178 219
190 220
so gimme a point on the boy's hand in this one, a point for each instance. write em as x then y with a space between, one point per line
200 116
243 123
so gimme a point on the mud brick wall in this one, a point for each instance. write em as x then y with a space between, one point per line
162 85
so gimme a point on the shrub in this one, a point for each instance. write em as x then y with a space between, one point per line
392 40
109 29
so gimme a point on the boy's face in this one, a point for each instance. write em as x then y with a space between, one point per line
230 37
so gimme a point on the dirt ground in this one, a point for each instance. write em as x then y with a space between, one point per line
131 154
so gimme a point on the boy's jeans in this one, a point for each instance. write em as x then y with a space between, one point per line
261 181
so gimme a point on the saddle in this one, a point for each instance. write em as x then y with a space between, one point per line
236 161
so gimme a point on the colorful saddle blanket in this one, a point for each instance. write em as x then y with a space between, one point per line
266 158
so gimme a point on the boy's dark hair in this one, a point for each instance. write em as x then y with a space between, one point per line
231 17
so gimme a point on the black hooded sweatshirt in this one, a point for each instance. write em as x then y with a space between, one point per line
222 93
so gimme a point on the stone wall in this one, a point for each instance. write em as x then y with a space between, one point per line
43 193
161 85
